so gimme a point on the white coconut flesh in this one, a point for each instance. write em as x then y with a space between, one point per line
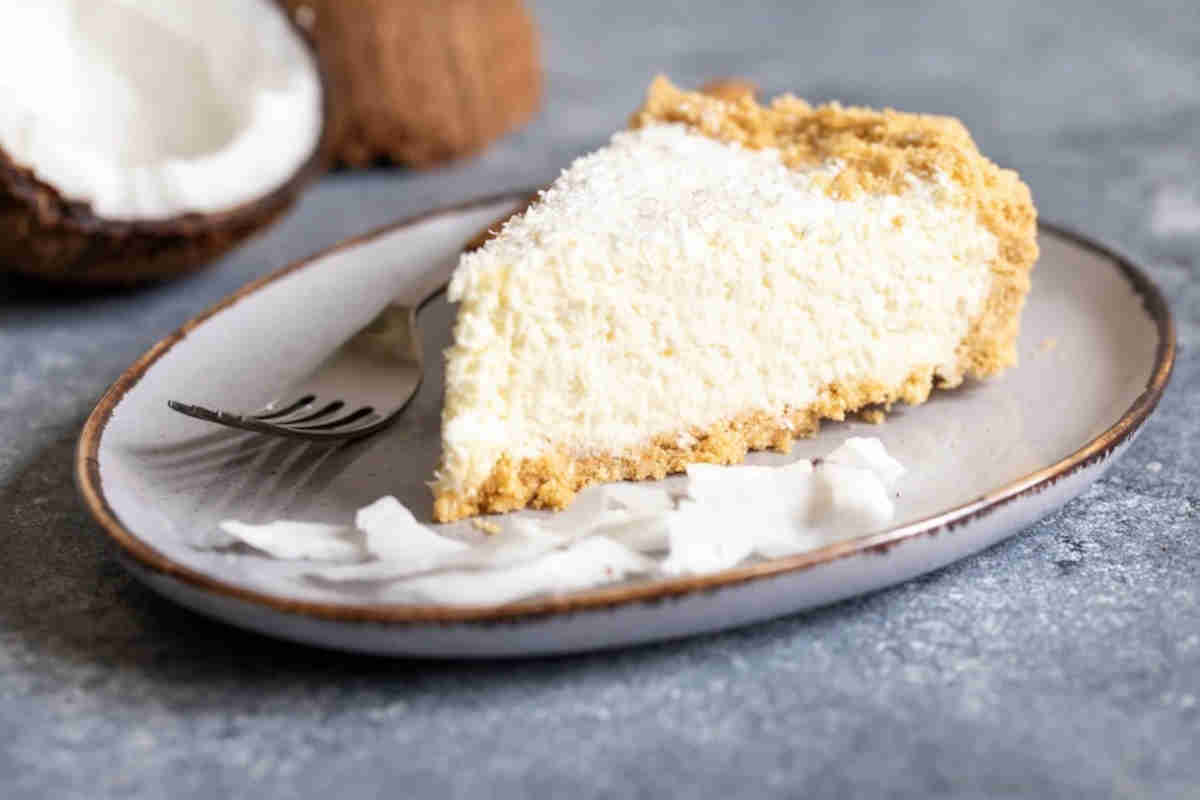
148 109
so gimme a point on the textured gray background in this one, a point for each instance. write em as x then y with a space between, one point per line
1062 663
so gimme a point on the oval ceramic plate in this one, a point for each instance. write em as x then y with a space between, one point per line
984 461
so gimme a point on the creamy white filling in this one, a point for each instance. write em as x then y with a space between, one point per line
151 108
669 282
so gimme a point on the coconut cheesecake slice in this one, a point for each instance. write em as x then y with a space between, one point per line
718 279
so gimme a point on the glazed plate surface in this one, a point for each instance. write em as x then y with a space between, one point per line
984 461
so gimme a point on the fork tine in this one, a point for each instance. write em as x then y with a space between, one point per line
308 399
389 385
350 418
354 425
330 408
223 417
200 412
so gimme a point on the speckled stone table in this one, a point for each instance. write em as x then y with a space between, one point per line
1064 662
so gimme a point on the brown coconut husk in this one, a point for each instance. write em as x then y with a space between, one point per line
422 81
46 236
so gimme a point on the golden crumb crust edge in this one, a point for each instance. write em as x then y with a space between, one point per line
552 480
879 150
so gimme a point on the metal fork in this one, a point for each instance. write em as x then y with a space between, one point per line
367 381
359 388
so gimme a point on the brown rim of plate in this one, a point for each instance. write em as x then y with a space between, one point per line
87 473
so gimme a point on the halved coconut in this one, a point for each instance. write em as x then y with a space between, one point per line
141 138
419 82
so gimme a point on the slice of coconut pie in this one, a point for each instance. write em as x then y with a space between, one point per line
718 279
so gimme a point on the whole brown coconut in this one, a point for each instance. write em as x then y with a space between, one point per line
422 81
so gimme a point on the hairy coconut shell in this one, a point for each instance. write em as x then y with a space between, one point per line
423 81
48 236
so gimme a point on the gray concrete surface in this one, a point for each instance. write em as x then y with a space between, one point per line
1062 663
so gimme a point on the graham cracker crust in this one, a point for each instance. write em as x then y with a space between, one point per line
552 480
879 150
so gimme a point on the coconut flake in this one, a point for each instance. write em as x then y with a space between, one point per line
778 511
393 534
849 500
625 512
704 540
290 540
636 499
867 452
634 515
594 561
748 490
729 514
522 542
646 533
